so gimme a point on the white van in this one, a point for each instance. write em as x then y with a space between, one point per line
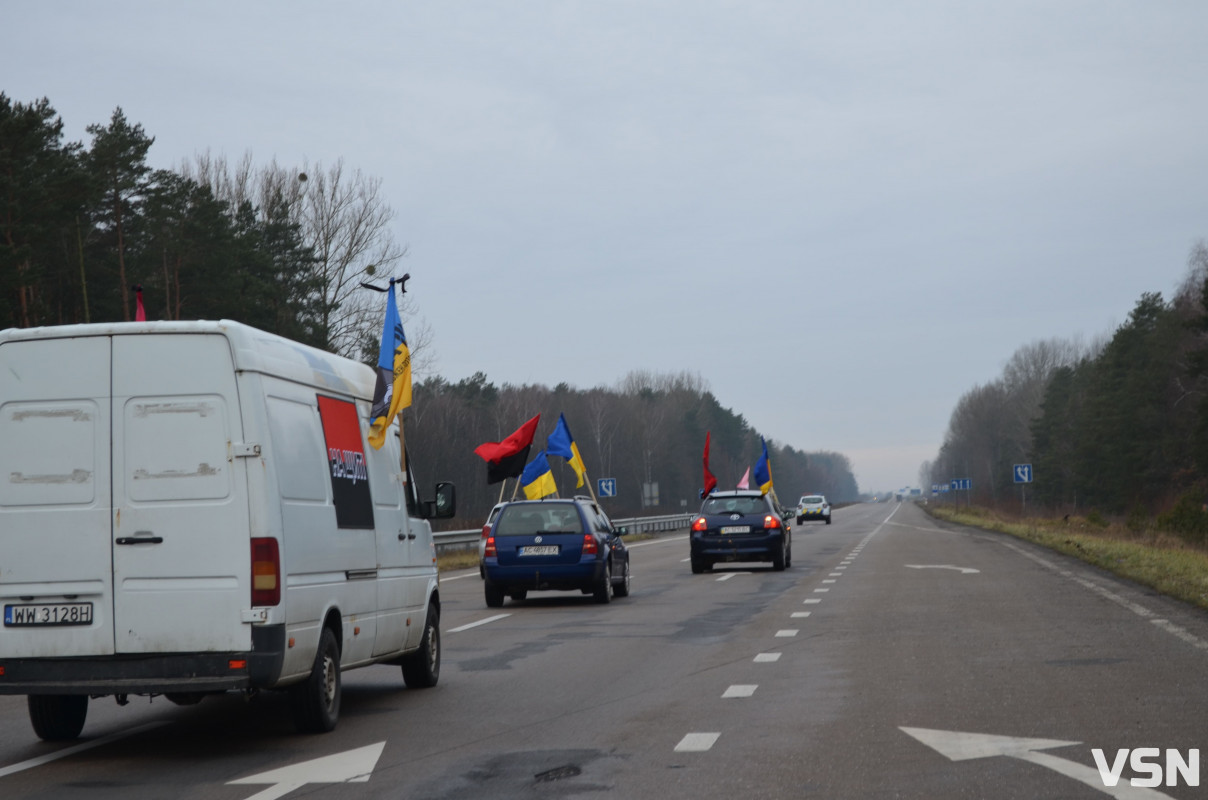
191 507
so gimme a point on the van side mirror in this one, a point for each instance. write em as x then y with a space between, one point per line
445 504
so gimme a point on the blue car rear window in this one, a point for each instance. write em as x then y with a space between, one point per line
546 518
734 505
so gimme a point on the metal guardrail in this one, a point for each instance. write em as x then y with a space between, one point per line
455 540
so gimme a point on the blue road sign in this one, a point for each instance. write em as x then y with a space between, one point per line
1023 473
962 483
606 487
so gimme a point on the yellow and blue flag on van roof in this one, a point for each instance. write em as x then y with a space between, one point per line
537 480
393 390
763 470
560 443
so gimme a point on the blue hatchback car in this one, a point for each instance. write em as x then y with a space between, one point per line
565 545
740 525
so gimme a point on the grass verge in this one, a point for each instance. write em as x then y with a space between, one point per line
1159 561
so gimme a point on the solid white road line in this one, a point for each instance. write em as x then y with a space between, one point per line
495 618
70 751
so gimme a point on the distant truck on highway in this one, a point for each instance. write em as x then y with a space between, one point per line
189 508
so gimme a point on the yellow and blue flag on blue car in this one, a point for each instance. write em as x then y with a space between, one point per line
537 480
393 390
560 443
763 470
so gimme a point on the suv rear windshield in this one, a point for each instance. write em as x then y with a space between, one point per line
813 500
520 520
735 505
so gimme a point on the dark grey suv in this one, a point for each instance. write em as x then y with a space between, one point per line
740 526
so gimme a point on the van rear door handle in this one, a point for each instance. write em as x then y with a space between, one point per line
140 539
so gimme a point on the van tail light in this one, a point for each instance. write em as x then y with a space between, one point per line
589 545
771 522
266 572
489 551
700 525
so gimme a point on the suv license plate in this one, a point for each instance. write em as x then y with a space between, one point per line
47 614
539 550
736 529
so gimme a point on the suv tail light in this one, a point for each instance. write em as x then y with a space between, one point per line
771 522
700 525
589 545
489 551
266 572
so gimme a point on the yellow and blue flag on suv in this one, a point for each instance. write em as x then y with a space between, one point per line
560 443
763 470
537 480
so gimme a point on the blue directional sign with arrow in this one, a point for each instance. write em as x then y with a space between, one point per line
1023 473
606 487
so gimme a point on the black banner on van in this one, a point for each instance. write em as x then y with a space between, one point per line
346 459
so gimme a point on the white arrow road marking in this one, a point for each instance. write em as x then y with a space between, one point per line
962 570
959 746
352 766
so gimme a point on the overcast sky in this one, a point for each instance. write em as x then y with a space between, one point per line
843 216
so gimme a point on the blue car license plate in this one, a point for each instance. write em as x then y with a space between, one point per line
539 550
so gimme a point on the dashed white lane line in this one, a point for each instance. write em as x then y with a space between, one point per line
729 575
812 600
799 614
829 580
49 757
740 690
786 632
495 618
697 742
821 590
767 658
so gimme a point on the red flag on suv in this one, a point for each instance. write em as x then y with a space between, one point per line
506 459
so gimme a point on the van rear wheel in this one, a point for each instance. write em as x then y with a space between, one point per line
316 701
57 717
421 669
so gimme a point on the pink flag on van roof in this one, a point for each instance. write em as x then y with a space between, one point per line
745 483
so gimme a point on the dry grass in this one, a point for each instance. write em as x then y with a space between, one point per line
456 559
1159 561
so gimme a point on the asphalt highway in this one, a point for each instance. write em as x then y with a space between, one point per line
898 657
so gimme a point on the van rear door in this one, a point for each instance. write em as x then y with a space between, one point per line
181 541
56 581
